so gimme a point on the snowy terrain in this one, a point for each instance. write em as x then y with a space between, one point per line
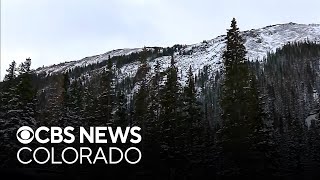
312 118
207 53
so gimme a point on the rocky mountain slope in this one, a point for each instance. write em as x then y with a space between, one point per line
207 53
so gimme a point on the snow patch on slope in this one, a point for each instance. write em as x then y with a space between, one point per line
311 118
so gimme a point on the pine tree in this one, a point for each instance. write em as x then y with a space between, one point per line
27 94
52 102
154 100
89 106
141 98
241 116
64 119
7 89
17 106
192 115
11 72
107 96
141 105
72 103
170 115
192 129
121 112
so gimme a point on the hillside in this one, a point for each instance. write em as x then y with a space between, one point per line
207 53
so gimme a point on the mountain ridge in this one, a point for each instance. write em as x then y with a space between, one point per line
258 43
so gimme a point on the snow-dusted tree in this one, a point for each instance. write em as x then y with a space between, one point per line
121 117
106 99
192 126
17 105
154 100
11 72
72 104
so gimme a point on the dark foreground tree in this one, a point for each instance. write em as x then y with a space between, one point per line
242 116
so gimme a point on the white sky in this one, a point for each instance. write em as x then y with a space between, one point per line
53 31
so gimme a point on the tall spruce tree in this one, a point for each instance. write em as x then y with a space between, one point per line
241 116
121 111
27 93
192 110
9 115
89 106
192 129
107 96
72 103
154 100
11 72
17 106
170 116
141 98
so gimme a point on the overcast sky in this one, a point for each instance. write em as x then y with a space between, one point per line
53 31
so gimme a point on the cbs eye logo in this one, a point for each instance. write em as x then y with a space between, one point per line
25 134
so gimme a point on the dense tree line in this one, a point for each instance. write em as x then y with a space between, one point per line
245 120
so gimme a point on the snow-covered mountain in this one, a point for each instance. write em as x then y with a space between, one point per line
207 53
